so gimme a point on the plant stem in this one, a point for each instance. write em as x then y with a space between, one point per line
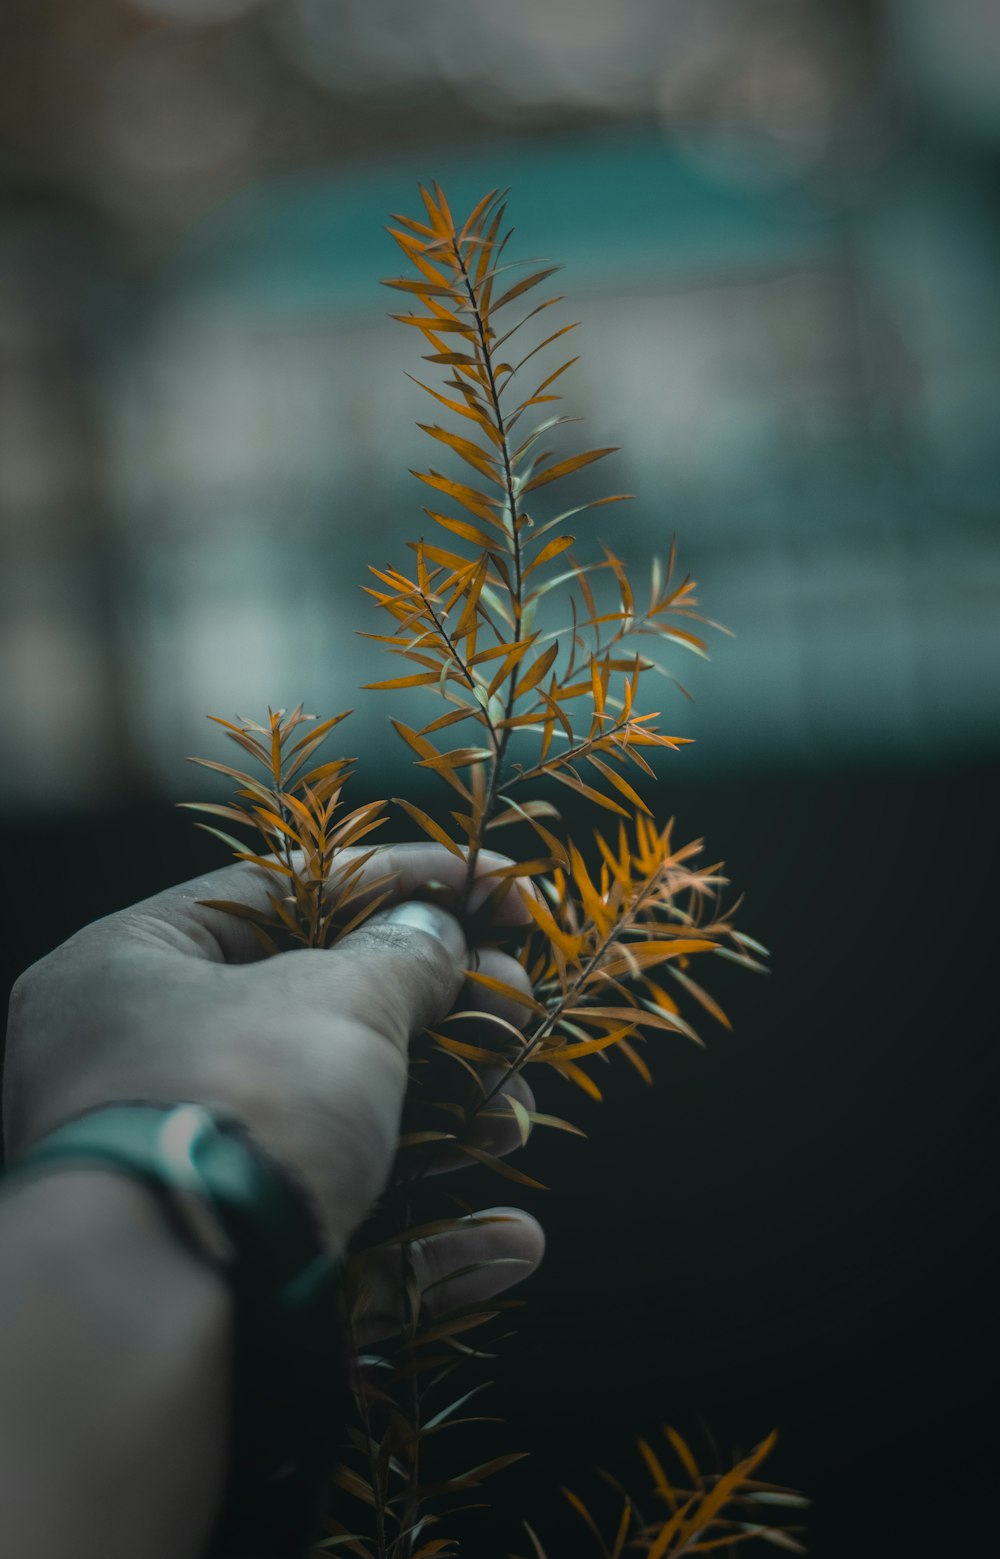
499 741
380 1544
500 747
626 918
545 1028
562 758
411 1507
460 663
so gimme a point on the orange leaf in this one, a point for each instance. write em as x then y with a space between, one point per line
551 549
659 1476
523 285
538 396
453 359
458 1047
511 992
470 498
466 450
421 679
702 996
670 1529
464 529
234 814
427 751
727 1484
488 249
536 671
419 744
431 829
477 214
599 912
524 868
427 289
622 1533
619 783
538 1119
354 1484
684 1453
582 1510
231 773
578 785
515 654
522 812
460 758
471 412
633 956
451 718
568 944
637 1061
413 250
507 1170
272 821
583 1047
439 323
577 1075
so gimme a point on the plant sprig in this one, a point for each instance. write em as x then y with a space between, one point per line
615 922
294 810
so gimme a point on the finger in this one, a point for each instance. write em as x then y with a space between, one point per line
506 908
178 918
396 975
472 1262
495 1127
493 1004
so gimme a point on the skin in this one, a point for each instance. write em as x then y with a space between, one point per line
113 1337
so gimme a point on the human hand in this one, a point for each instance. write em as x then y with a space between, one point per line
172 1000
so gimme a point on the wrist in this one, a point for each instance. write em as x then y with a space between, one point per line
102 1235
244 1214
115 1357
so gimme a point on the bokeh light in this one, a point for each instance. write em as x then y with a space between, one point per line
787 272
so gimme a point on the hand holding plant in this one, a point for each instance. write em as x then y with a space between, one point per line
536 659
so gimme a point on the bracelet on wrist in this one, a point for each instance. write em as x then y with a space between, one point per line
249 1216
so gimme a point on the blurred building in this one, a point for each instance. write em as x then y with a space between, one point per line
779 227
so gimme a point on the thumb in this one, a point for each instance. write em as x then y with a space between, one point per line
337 1075
399 972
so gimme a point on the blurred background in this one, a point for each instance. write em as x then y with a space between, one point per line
780 226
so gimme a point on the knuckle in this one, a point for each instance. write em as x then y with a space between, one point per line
410 953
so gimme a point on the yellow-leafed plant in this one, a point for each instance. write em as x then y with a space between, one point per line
535 657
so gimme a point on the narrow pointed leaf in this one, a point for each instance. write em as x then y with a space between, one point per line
536 671
567 467
431 829
523 285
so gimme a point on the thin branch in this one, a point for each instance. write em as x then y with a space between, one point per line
484 355
562 758
463 668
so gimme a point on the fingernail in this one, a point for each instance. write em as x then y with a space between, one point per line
435 922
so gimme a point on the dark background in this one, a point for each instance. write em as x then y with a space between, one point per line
794 1227
780 227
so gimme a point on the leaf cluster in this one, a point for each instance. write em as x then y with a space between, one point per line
696 1512
531 712
294 808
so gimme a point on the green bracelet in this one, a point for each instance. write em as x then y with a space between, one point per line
245 1212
